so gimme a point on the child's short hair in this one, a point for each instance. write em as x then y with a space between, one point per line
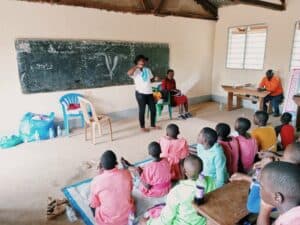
108 160
223 130
154 149
196 162
286 118
210 135
242 125
172 130
262 117
283 177
170 70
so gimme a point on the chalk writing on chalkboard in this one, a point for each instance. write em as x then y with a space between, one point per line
55 65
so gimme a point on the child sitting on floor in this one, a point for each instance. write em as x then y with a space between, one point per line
155 177
174 149
291 155
230 147
212 155
111 192
285 130
280 185
264 135
247 145
179 209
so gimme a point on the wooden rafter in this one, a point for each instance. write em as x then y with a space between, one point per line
208 6
268 5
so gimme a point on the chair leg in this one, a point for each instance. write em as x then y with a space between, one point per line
93 133
66 125
85 132
110 129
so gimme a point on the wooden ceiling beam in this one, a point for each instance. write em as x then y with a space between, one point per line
208 6
264 4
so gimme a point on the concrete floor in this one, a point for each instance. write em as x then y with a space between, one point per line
31 172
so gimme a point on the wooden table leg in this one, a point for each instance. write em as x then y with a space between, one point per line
261 103
230 101
239 101
298 119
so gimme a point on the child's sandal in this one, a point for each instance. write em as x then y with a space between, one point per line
57 211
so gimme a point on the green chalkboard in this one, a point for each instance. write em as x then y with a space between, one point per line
56 65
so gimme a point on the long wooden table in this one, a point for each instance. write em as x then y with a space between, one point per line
241 92
226 205
296 99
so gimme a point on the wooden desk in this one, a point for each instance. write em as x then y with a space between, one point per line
240 92
296 99
227 205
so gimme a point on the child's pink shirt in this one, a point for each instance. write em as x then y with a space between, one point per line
231 151
174 149
291 217
248 150
158 175
111 196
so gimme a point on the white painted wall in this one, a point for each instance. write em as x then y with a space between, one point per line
190 40
281 27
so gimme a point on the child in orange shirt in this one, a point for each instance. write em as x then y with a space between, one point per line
265 135
174 149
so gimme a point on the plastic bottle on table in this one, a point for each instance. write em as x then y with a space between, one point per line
200 190
51 133
59 132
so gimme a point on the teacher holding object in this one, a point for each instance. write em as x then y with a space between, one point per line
142 77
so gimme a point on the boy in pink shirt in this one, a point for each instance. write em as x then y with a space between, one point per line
155 177
230 146
280 185
248 145
174 149
111 192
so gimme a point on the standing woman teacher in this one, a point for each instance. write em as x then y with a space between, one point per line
142 77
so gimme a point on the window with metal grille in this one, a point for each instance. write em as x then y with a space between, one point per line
246 47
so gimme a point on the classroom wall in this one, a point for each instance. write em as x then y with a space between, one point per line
190 40
281 27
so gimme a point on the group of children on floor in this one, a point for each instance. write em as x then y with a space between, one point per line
220 158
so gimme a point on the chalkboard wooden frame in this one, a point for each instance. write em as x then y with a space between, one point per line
49 65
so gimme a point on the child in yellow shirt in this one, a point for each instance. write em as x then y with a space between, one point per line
265 135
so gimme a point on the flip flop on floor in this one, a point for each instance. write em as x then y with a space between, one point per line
57 211
52 201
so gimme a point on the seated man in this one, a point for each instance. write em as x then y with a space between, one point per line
111 192
168 85
272 84
179 209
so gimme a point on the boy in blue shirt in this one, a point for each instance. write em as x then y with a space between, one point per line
212 155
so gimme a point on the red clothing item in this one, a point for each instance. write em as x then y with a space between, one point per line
231 151
274 85
287 135
168 84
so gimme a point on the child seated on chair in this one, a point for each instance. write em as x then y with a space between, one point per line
230 147
212 155
285 130
247 145
174 149
264 135
179 209
111 192
155 177
291 155
280 185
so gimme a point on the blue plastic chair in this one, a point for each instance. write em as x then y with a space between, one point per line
65 101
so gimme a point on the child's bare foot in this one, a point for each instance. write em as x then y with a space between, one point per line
145 129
